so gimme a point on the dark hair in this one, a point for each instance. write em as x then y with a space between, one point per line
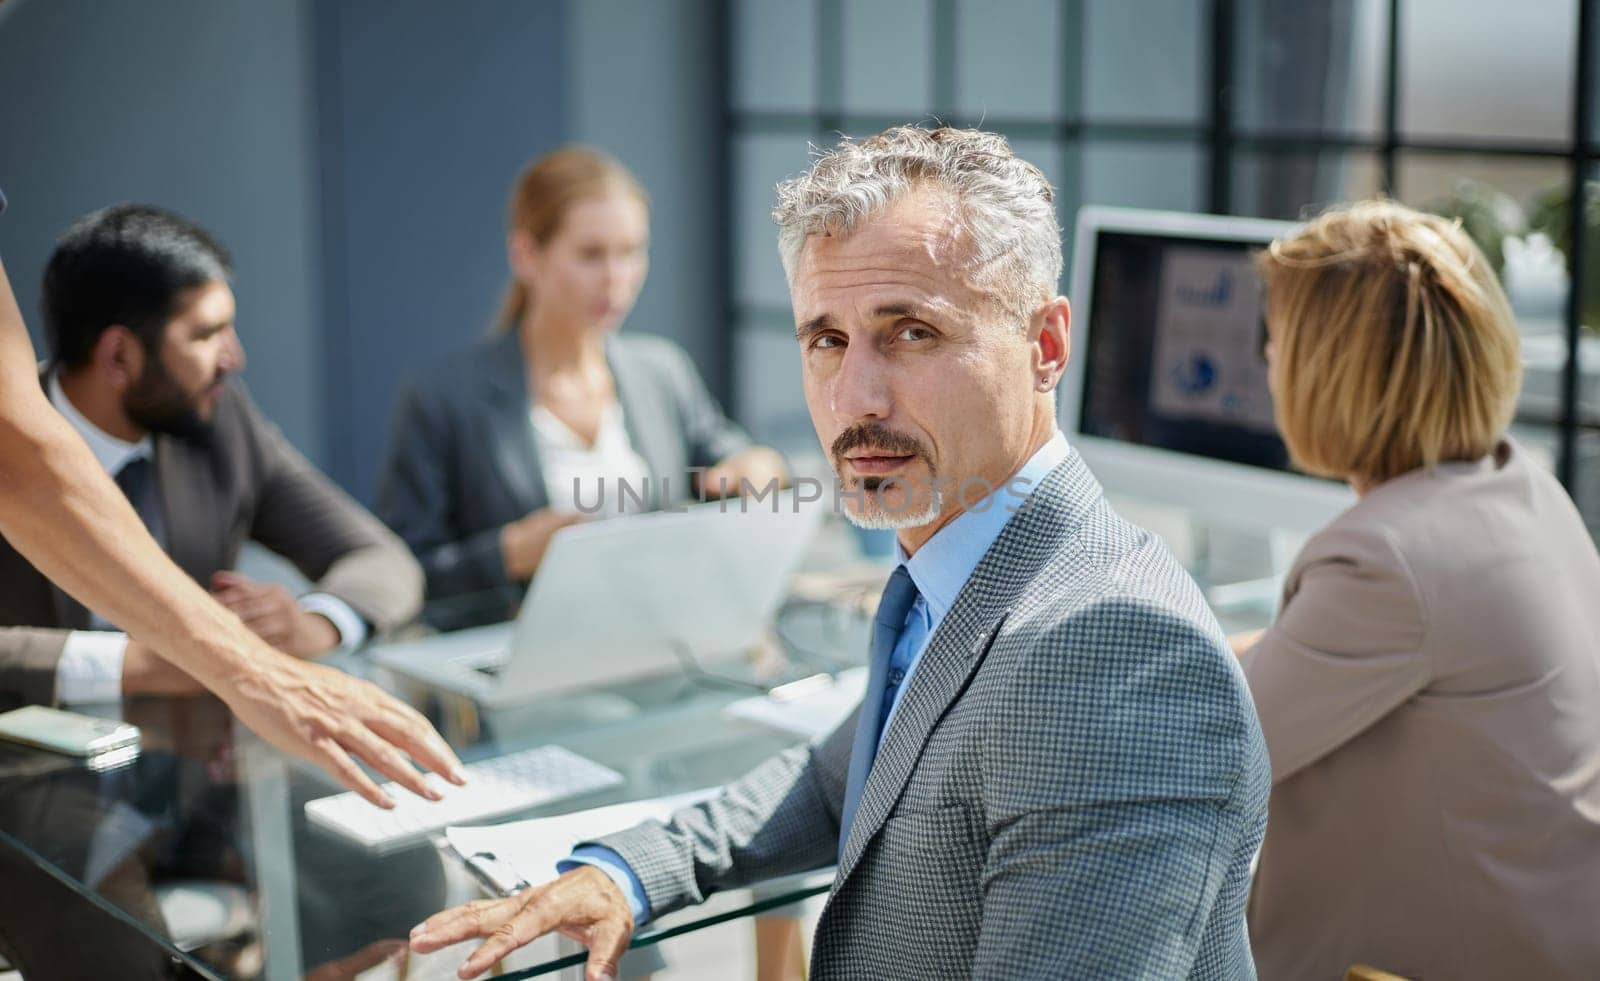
126 265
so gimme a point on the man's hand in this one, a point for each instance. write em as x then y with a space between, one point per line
144 672
760 467
273 614
326 716
583 904
523 542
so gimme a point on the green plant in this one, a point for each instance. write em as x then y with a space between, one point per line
1552 215
1487 214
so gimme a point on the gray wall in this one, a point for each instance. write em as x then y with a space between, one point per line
354 156
428 113
206 108
645 88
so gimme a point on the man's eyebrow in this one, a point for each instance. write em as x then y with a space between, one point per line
825 321
812 326
899 310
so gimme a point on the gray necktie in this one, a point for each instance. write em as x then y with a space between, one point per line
137 480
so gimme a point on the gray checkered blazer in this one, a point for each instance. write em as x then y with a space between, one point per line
1073 786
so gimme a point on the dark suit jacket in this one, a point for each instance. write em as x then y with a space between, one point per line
462 460
244 482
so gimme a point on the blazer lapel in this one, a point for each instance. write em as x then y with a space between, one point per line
1039 530
192 525
651 426
953 655
507 398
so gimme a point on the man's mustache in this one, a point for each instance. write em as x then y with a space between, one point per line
876 436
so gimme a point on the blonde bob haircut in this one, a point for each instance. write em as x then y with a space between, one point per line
1394 343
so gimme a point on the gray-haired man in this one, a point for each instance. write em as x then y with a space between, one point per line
1056 771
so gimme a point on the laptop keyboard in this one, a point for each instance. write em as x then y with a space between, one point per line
506 784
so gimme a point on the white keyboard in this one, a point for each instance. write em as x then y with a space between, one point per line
494 787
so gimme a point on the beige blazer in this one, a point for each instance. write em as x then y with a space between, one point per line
1430 696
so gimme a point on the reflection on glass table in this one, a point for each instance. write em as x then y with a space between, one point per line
197 858
201 846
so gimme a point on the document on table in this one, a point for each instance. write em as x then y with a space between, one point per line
811 707
510 857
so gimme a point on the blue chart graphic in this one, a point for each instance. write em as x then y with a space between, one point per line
1196 374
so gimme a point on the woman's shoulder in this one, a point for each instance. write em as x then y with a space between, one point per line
650 351
465 367
656 361
1446 517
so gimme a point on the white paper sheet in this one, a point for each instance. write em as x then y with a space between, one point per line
530 849
813 713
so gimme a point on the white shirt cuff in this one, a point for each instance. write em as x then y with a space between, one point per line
90 669
352 629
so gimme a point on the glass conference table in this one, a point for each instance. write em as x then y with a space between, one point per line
196 858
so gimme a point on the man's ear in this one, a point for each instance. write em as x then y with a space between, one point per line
119 356
1050 334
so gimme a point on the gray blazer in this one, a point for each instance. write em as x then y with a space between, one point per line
1073 786
244 482
462 461
1430 696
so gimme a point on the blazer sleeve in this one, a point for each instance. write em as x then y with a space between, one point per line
304 517
1346 650
709 435
29 657
1119 787
414 500
782 817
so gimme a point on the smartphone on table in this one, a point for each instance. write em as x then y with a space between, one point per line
66 732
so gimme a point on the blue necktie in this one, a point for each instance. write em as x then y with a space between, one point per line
898 596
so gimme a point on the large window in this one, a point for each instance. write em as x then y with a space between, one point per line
1475 108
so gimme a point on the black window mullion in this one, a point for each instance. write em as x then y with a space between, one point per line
946 61
1391 104
1220 161
1577 222
830 65
724 370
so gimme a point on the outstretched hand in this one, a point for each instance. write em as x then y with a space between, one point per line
326 716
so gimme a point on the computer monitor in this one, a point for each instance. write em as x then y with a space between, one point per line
1166 391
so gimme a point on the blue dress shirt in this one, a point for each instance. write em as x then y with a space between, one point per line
940 569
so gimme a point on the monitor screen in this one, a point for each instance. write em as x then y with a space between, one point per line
1175 357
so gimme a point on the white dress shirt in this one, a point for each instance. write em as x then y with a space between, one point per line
90 669
579 477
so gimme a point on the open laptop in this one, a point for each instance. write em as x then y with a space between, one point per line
624 598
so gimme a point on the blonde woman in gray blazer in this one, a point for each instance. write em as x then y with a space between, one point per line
485 446
1430 692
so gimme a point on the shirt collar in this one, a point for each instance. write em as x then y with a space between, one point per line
945 562
112 453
